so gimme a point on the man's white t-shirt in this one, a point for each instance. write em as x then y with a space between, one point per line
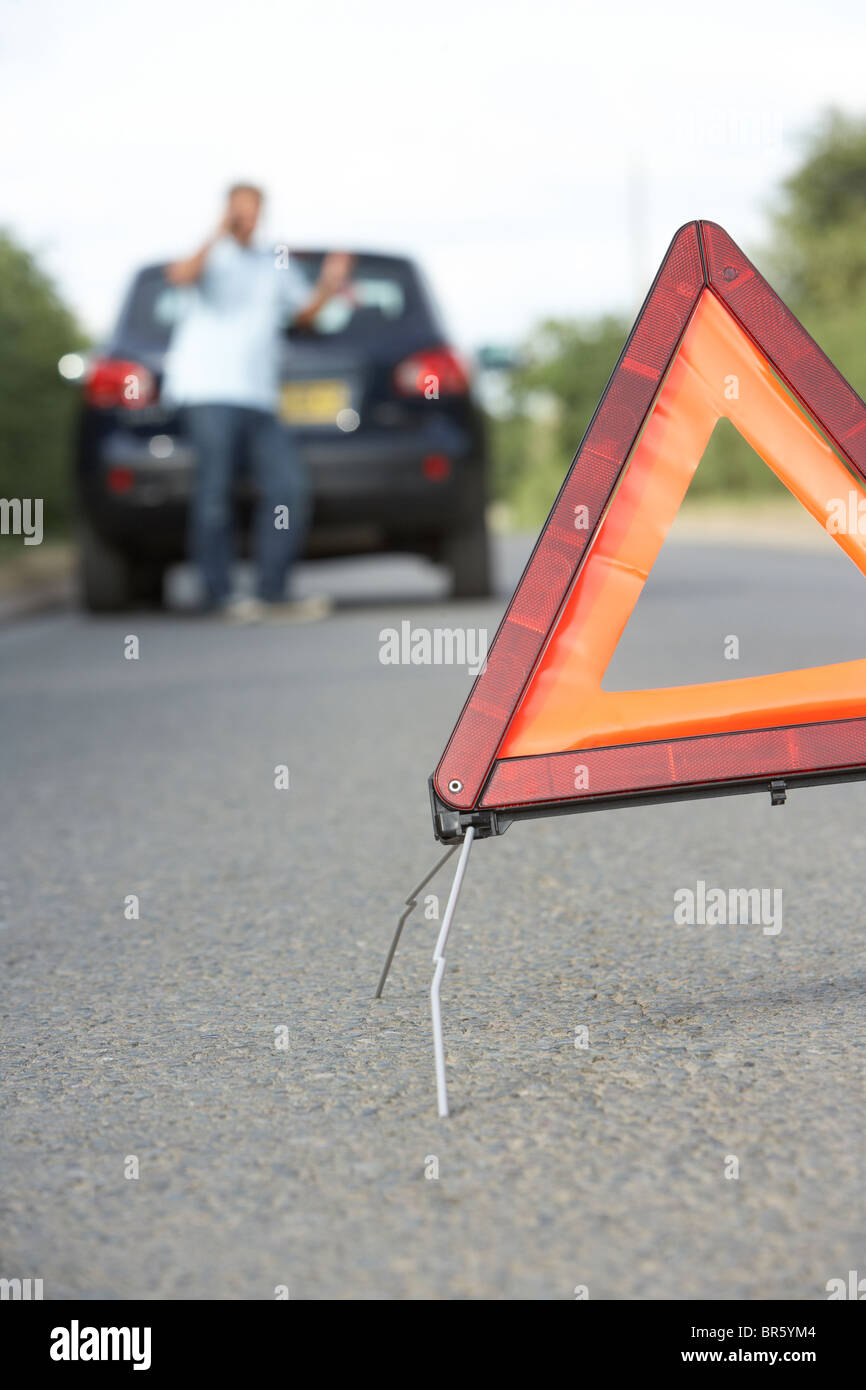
226 348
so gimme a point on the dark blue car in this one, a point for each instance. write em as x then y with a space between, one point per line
390 431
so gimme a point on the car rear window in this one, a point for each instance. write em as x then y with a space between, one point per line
384 294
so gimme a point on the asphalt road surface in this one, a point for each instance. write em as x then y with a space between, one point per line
226 1047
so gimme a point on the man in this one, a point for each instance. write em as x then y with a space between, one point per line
223 370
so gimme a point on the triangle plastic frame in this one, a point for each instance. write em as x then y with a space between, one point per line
472 784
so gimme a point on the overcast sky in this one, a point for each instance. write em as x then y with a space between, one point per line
536 156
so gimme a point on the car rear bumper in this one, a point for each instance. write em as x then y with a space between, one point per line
372 489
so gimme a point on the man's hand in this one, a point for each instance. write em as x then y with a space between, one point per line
334 274
333 279
188 271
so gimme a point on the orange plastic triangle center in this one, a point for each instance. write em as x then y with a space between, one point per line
717 372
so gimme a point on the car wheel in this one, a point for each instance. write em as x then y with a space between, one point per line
106 575
465 551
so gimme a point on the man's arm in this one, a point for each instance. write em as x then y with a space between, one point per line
187 272
333 277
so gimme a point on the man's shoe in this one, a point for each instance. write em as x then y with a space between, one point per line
245 610
300 610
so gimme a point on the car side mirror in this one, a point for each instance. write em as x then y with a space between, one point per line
498 358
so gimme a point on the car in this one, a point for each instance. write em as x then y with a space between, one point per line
386 418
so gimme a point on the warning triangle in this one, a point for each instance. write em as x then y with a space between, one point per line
712 341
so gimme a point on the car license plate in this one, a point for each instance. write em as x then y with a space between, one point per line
313 402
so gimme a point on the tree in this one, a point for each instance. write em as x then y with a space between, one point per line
818 243
36 406
815 259
564 369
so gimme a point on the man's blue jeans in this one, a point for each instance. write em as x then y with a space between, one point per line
222 435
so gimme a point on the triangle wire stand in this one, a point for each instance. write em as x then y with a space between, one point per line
438 956
701 259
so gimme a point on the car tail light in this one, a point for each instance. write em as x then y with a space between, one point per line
120 480
436 467
433 373
113 382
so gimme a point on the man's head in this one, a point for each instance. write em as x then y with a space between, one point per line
242 211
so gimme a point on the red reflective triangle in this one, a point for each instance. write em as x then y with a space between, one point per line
535 730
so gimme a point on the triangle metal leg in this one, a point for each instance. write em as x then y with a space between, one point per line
439 963
411 903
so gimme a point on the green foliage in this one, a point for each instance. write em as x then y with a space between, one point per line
553 396
565 368
818 243
816 260
36 405
730 467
